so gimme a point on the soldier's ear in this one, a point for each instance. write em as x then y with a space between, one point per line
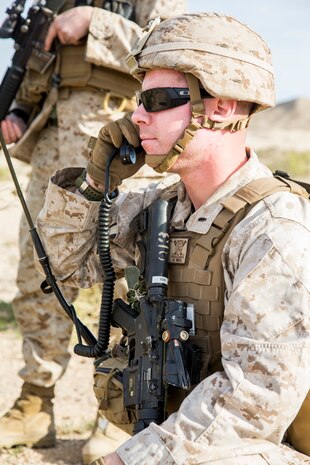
223 110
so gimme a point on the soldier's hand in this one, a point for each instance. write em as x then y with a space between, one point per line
70 27
110 136
13 128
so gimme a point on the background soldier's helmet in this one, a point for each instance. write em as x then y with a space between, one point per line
228 58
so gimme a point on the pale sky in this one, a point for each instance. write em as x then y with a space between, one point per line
284 24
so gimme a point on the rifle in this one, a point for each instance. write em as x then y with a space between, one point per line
160 353
28 34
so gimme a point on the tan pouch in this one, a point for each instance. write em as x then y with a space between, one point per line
74 70
108 388
35 85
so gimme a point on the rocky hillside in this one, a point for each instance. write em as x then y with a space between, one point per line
285 127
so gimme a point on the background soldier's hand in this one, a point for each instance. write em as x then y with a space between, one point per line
70 27
110 136
13 128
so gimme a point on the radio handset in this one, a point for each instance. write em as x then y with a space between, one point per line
127 154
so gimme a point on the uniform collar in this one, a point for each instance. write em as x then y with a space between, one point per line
200 220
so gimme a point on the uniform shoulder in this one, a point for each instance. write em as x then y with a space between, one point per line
290 207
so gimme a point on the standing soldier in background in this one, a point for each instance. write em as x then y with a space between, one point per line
52 118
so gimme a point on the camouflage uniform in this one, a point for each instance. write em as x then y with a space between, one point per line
238 415
81 112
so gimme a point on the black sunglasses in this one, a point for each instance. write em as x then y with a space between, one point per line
163 98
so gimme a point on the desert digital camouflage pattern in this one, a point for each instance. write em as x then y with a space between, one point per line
45 326
81 113
112 37
237 416
150 9
229 59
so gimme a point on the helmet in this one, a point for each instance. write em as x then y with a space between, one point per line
229 59
215 51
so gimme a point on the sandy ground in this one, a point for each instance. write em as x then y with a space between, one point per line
75 404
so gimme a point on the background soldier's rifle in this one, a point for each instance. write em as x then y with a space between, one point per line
29 35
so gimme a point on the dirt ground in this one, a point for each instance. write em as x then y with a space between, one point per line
75 407
75 404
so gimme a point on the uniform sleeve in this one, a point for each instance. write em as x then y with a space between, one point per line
110 39
150 9
265 348
68 228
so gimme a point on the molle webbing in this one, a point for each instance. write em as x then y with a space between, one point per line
77 73
200 280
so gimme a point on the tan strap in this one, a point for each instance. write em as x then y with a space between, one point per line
107 104
295 187
247 196
259 189
131 61
223 218
206 244
187 137
178 148
233 204
99 461
231 126
209 48
198 108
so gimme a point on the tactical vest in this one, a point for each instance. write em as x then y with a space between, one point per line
75 72
196 273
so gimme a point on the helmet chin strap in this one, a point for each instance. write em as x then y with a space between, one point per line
165 162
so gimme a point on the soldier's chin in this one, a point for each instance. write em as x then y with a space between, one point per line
154 161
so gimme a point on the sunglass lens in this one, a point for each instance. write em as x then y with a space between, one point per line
162 98
155 99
